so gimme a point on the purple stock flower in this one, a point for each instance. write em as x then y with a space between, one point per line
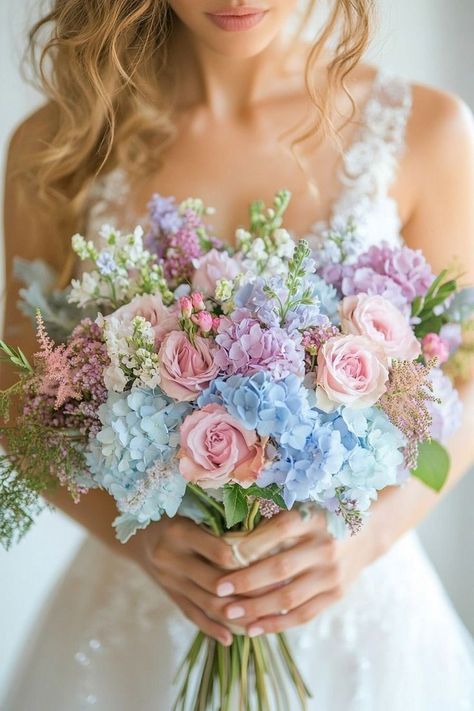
246 347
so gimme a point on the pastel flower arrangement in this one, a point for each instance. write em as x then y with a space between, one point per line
238 382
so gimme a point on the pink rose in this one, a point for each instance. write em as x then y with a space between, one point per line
211 267
216 449
435 347
153 310
352 370
186 369
375 317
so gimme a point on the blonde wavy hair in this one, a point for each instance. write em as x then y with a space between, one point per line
104 68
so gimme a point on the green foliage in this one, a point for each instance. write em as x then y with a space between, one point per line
235 504
424 308
35 457
263 222
270 493
20 503
433 464
15 356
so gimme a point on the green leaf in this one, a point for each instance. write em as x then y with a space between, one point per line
417 305
433 464
271 493
235 504
430 325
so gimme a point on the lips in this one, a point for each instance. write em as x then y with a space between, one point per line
238 18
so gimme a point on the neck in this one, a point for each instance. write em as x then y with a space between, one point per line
227 86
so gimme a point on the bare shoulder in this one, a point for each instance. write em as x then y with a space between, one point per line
33 132
442 125
437 178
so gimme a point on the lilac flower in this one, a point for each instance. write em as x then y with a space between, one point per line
164 215
246 347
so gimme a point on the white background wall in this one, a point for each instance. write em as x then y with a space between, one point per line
424 40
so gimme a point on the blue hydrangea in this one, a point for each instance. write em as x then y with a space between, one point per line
348 453
140 428
277 408
307 472
328 298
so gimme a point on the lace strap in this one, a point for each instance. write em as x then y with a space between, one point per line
370 164
107 202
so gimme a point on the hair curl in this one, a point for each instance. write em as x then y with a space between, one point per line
104 68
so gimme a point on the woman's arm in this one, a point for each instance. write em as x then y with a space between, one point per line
437 190
178 555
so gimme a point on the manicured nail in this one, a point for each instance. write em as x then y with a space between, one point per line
234 612
255 631
225 589
226 641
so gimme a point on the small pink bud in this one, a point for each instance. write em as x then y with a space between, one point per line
216 323
435 347
203 321
186 306
197 300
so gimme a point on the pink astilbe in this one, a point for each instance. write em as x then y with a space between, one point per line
69 386
405 403
56 377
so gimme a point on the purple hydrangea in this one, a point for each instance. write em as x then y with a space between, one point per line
246 347
398 273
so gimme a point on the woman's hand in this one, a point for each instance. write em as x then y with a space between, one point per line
290 587
187 563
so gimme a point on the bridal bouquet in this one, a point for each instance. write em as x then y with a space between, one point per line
229 385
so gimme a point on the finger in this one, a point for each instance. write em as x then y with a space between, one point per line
281 531
275 569
286 598
208 626
189 568
213 548
214 607
298 616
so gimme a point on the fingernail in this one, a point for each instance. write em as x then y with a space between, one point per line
225 589
234 612
255 631
226 641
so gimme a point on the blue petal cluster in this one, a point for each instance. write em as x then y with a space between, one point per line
354 451
139 429
278 408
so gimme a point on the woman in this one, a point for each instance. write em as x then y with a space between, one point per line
214 98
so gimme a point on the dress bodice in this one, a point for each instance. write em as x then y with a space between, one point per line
368 170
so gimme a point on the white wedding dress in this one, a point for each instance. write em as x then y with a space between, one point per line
110 639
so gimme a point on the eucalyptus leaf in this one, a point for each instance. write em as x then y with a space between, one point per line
433 464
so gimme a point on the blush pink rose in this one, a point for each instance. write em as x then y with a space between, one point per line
211 267
153 310
352 370
217 449
375 317
186 369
